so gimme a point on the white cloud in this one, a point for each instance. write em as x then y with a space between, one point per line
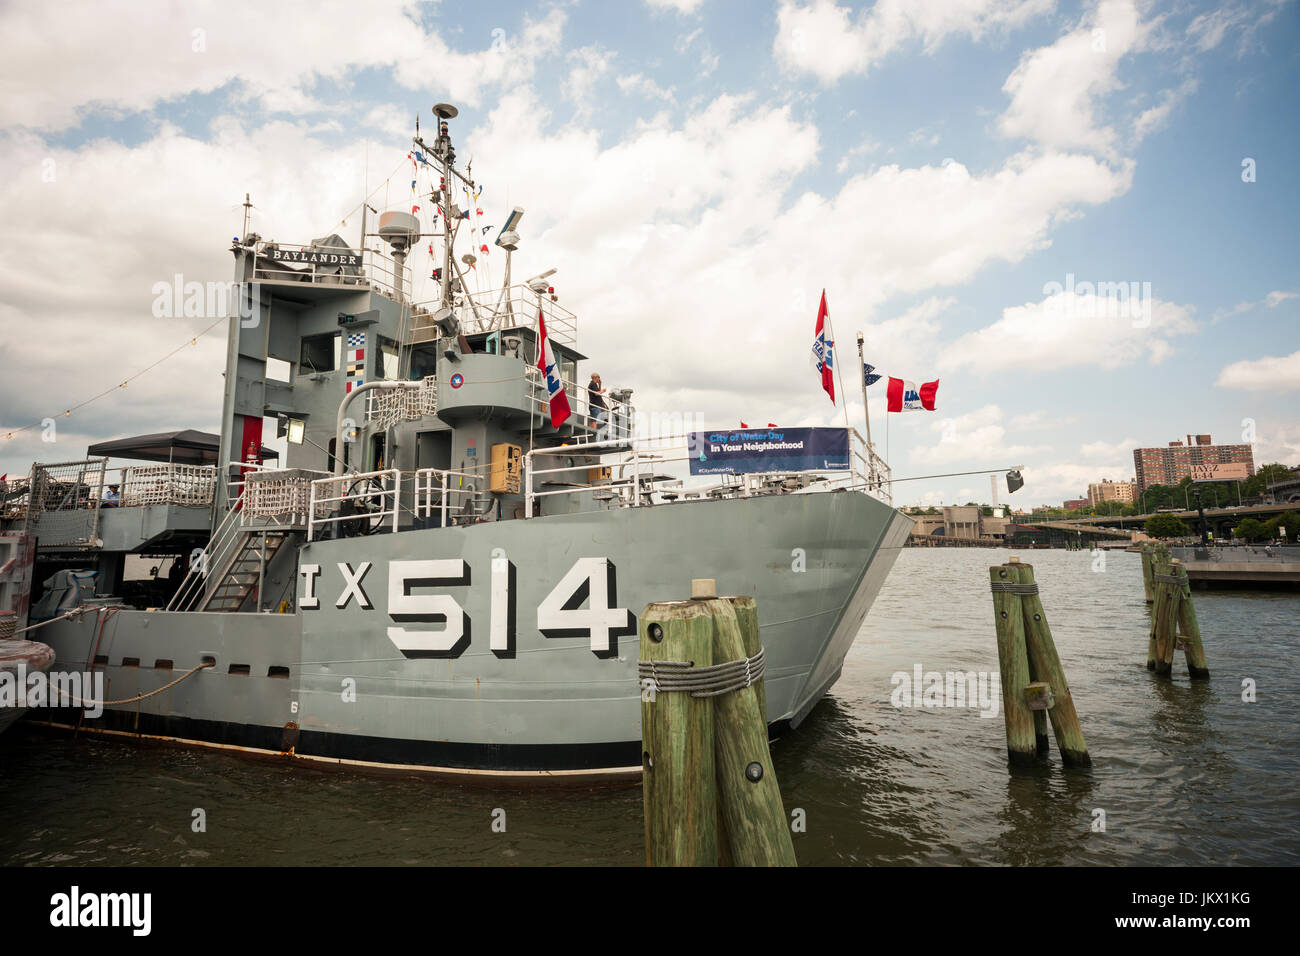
1095 450
641 84
1153 118
826 40
1272 301
1208 30
1054 88
976 438
198 47
1281 373
590 64
866 147
1069 329
680 6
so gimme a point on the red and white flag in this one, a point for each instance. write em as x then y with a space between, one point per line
824 349
906 397
554 387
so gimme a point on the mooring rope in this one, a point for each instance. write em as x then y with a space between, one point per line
1008 587
713 681
75 612
139 697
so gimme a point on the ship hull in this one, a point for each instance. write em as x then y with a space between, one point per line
499 647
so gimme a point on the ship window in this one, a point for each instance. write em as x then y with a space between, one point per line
320 353
277 671
387 364
242 669
130 662
163 664
424 362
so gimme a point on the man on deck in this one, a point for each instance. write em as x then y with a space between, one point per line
596 406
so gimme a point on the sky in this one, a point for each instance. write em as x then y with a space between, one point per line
1080 218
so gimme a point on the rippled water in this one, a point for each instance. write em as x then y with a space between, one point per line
1186 773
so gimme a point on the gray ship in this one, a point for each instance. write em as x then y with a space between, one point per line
444 573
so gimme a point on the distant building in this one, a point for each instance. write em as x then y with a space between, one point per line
1204 460
958 523
1107 490
1075 504
961 521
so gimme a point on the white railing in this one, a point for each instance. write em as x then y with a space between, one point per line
368 498
186 485
445 494
618 423
491 311
646 457
277 496
377 270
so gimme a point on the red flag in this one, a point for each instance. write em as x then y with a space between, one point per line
554 387
743 425
824 349
906 397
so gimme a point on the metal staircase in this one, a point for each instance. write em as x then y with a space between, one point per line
244 570
237 557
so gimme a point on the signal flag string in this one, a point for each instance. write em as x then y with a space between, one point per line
67 412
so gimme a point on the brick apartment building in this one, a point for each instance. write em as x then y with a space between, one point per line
1174 462
1107 490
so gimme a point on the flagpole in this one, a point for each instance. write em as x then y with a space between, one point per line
830 327
866 413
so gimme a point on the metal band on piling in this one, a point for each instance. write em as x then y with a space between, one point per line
1168 578
712 681
1009 587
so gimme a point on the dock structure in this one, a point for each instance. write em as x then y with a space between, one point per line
1034 688
710 791
1242 567
1173 622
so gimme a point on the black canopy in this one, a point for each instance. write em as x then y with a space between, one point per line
185 447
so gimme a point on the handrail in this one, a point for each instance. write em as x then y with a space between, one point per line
198 570
391 484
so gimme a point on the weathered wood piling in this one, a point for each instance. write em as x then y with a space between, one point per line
1173 621
710 790
678 779
1034 688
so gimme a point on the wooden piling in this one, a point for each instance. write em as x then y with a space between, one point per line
1148 586
757 833
1013 662
1197 666
679 778
1040 716
746 609
1046 663
1164 617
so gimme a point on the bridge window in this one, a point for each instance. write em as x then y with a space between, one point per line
320 353
386 364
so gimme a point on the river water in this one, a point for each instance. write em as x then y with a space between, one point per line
1183 773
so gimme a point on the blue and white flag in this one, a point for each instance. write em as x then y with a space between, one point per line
868 375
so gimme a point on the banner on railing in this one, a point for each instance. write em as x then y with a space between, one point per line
749 450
